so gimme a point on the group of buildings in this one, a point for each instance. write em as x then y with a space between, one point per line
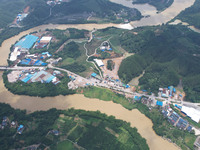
168 92
21 56
6 123
21 16
176 120
40 76
22 47
105 46
55 2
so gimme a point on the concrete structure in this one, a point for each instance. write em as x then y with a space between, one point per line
99 62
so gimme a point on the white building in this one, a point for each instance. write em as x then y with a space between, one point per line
99 62
45 39
192 113
14 54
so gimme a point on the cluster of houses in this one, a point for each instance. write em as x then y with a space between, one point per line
176 120
105 46
35 75
21 16
56 2
40 76
170 92
108 79
35 59
6 123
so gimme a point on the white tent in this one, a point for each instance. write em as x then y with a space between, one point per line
192 113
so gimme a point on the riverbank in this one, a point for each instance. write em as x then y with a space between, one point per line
136 118
77 101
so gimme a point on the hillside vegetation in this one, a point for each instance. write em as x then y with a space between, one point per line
167 54
77 129
9 10
159 4
78 12
191 15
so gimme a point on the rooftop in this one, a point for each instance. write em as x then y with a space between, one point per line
27 42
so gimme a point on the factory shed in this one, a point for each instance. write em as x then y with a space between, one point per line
14 54
27 42
45 39
99 62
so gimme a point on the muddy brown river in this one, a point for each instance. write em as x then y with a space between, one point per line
77 101
137 119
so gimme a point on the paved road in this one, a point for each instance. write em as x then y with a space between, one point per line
104 84
19 68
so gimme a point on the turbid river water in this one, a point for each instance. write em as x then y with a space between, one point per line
137 119
156 18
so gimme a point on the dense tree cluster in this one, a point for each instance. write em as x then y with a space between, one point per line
70 50
75 67
131 67
110 65
160 5
38 89
191 14
167 54
91 130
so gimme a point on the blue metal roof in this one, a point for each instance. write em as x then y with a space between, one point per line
94 74
27 42
179 107
159 103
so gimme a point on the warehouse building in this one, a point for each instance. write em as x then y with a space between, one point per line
99 62
192 113
27 42
15 54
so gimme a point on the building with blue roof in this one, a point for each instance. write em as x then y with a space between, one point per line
27 42
93 74
159 103
179 107
137 98
20 129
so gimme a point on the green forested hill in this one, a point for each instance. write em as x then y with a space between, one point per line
77 11
159 4
191 15
9 10
77 129
168 54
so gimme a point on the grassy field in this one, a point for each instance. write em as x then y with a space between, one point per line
107 95
114 41
68 61
93 131
65 145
